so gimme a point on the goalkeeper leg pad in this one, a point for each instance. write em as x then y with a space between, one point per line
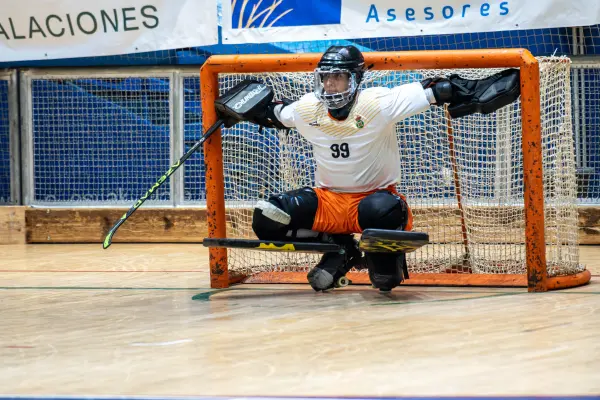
386 271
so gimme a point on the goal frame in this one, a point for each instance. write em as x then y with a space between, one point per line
536 278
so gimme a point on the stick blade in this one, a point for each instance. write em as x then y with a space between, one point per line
107 241
268 245
388 241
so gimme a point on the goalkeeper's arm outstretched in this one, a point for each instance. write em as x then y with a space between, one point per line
353 136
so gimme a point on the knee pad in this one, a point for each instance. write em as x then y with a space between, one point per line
382 210
269 222
292 210
300 204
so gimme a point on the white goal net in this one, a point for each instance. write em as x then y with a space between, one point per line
485 167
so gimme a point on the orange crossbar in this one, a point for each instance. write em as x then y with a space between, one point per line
497 58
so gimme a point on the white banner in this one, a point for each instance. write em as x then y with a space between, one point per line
256 21
48 29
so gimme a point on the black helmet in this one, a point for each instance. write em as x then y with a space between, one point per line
339 59
346 57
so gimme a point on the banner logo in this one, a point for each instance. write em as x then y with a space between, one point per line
282 13
249 97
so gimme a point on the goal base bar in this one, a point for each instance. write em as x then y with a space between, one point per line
482 280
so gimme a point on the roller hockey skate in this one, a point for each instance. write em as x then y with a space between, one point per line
331 271
386 271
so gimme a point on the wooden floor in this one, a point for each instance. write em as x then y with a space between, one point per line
79 320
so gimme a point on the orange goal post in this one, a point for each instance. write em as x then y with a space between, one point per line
496 193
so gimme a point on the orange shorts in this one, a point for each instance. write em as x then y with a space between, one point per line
338 212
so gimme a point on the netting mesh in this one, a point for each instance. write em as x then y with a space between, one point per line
193 175
541 42
586 121
73 120
5 196
487 159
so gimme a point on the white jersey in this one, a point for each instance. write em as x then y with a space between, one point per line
360 153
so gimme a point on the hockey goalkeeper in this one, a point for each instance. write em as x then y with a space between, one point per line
353 136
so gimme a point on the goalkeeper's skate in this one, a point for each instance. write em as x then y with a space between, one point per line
331 271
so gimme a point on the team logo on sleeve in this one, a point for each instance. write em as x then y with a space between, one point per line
359 122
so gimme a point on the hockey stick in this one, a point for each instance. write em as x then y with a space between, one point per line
271 245
457 189
371 240
160 181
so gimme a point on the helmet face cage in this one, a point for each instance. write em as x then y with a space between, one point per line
335 100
